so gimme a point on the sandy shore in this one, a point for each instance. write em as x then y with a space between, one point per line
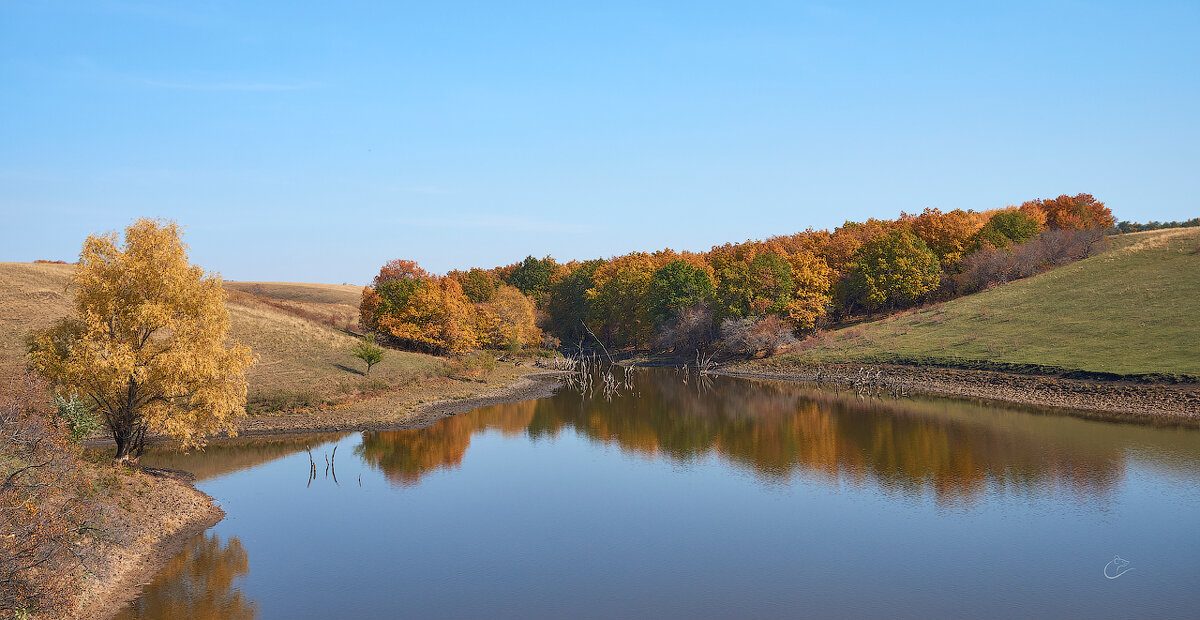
1118 400
170 511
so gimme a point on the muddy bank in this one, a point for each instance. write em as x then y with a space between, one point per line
157 512
1118 400
384 413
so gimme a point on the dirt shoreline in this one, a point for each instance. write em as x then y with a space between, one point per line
138 548
155 541
361 417
1155 403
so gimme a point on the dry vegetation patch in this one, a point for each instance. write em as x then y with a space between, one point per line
146 517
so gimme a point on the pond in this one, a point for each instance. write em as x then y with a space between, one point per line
721 498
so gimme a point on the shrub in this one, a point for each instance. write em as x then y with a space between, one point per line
81 422
991 266
367 351
689 330
41 510
752 336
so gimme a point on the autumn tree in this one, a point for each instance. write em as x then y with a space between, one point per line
762 285
892 270
428 314
1078 212
508 321
148 344
949 235
478 285
812 297
839 247
615 300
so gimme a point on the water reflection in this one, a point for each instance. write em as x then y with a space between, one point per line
956 450
227 456
199 583
742 499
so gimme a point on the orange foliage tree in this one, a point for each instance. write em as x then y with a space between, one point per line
1078 212
421 311
508 321
950 235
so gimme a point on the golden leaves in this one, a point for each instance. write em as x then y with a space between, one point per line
148 345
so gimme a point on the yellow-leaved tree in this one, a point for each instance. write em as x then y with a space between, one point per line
148 345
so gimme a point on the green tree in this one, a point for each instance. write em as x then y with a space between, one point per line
674 286
762 286
478 285
615 302
532 277
1009 227
367 351
893 270
568 303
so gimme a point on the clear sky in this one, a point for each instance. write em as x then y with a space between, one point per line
312 141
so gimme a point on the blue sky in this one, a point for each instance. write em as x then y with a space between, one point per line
314 141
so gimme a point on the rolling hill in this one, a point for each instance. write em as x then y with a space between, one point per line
1131 311
300 333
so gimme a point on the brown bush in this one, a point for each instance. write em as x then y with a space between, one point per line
750 336
989 267
688 331
41 513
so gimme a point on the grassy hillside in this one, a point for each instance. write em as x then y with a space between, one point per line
1132 310
344 294
303 360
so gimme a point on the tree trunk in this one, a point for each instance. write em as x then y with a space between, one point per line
124 439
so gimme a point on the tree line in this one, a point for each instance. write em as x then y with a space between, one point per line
749 296
1125 226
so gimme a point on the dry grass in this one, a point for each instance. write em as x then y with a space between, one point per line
303 361
32 296
343 294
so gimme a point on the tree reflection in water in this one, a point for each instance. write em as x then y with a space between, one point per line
199 584
957 450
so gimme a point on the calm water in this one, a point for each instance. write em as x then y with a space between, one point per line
733 499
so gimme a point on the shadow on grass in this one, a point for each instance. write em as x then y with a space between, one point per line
349 369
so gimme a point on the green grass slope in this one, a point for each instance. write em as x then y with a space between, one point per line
1132 310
